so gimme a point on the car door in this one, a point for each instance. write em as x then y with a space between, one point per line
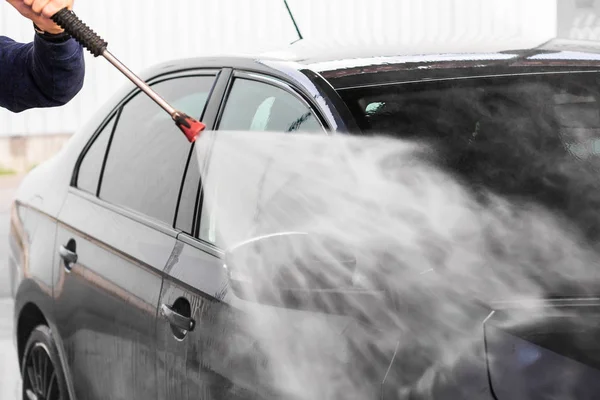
115 236
219 358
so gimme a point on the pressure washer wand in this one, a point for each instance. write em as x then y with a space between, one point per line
79 31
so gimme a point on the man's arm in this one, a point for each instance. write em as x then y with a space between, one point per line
39 74
45 73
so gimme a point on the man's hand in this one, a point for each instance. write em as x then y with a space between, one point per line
40 11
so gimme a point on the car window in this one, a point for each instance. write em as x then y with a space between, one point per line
242 179
234 174
88 174
259 106
148 153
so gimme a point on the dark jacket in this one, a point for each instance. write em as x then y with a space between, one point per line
39 74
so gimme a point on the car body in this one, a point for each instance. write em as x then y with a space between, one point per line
133 215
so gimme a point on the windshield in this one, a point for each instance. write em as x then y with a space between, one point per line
465 110
523 137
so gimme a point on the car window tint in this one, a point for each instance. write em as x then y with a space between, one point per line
148 154
91 165
233 173
258 106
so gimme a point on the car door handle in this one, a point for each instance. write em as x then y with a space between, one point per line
176 319
69 257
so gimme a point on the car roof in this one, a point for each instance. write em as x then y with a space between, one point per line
348 67
322 52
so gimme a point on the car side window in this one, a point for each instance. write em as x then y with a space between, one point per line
251 106
148 153
90 167
258 106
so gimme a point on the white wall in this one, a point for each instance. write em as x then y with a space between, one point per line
144 32
579 19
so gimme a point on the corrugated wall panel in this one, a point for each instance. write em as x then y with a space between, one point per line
143 33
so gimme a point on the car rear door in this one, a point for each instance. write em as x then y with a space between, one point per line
218 359
116 234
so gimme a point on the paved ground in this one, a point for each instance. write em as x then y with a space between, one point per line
9 374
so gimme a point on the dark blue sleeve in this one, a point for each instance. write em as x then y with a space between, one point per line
39 74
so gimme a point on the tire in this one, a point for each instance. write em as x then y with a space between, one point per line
42 372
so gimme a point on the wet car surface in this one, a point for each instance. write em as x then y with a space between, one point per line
114 248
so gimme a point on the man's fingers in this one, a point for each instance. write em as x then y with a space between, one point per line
21 7
41 12
55 6
45 8
38 5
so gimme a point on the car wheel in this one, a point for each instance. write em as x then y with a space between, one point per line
43 376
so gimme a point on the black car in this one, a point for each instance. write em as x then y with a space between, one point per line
123 290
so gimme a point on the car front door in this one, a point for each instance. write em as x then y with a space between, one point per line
220 359
118 220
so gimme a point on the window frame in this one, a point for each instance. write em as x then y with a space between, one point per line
137 216
263 78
